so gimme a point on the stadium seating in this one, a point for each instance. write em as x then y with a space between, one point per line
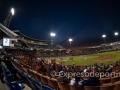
42 80
32 84
53 83
117 86
105 80
107 87
63 86
115 79
35 85
18 85
91 88
12 85
76 87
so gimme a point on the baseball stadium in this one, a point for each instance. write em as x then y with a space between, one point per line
32 60
29 63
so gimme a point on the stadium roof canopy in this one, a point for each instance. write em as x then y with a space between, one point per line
8 31
26 37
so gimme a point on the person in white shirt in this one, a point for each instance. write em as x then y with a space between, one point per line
15 60
72 81
85 70
80 83
76 81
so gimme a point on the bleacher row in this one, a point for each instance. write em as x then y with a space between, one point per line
35 81
31 82
52 55
8 78
85 51
43 80
28 83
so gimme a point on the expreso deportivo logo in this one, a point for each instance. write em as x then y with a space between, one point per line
78 74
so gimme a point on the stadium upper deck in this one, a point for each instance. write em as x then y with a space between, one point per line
17 39
31 40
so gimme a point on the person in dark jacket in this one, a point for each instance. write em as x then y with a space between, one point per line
9 65
1 73
92 81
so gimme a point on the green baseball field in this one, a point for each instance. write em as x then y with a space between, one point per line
86 60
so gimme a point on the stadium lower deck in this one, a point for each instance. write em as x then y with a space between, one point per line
26 75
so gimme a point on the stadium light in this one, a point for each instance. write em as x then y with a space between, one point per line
104 36
52 34
7 20
12 11
70 40
52 37
116 34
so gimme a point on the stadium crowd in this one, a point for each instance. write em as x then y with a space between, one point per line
71 74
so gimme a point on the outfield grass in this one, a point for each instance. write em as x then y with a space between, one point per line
106 58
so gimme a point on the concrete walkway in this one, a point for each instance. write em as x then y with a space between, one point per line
3 86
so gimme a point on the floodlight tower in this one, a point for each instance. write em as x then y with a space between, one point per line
104 36
116 34
7 20
70 40
52 38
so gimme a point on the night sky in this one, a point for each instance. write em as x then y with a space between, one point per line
82 20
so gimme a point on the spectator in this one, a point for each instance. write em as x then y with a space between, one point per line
92 80
37 68
76 81
1 72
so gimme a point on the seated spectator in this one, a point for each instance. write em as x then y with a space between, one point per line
65 80
1 71
76 81
88 69
37 68
85 70
72 81
49 70
7 62
62 77
109 70
43 69
53 64
16 60
92 81
25 61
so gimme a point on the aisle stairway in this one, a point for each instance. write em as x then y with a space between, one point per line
3 86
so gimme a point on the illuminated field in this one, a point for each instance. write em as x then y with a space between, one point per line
106 57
